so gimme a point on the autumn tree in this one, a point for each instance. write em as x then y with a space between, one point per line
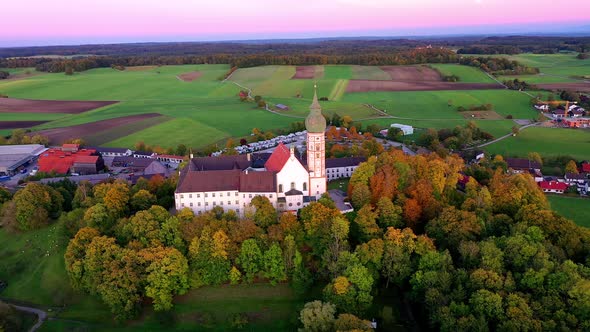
142 200
265 214
318 316
571 167
351 292
209 258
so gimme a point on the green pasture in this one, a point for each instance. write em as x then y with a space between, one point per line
466 74
369 73
495 127
573 208
31 116
435 104
545 141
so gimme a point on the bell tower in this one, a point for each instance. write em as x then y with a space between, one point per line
315 123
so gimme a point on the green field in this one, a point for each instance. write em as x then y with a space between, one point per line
547 142
574 208
466 74
554 68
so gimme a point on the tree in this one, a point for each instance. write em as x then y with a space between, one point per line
366 223
571 167
390 215
348 322
171 235
452 227
361 195
76 253
97 216
250 259
234 276
352 291
274 267
209 258
317 316
515 130
265 214
144 226
142 200
301 278
536 157
166 275
394 134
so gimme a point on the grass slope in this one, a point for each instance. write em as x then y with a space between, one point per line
574 208
547 142
466 74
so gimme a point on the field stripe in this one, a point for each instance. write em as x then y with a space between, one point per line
338 90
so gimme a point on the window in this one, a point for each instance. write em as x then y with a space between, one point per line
191 204
292 185
220 194
290 204
206 203
270 196
250 196
198 195
213 195
199 204
236 194
182 204
228 194
228 202
304 186
237 202
238 211
190 195
206 195
181 196
280 188
221 203
244 196
199 212
298 203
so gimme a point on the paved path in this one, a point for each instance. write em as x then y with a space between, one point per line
41 315
501 138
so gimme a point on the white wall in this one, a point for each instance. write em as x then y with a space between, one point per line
293 171
339 172
200 202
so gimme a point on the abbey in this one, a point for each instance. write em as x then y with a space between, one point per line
289 182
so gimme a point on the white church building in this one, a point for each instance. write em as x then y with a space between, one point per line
288 182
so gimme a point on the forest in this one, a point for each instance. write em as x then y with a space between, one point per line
464 247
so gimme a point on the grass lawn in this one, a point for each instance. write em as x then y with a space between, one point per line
574 208
466 74
341 184
547 142
31 116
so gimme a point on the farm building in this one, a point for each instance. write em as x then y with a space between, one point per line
143 166
407 130
142 154
577 122
167 158
342 167
520 165
14 157
70 159
93 178
113 152
553 187
70 147
586 167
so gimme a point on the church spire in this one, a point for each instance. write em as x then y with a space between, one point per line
315 121
315 104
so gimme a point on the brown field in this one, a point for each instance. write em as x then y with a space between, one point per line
11 105
482 115
411 73
140 68
578 87
307 72
367 85
19 124
190 76
59 135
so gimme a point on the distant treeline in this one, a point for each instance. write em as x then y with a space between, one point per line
406 57
523 44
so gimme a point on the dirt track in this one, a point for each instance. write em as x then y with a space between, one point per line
12 105
411 73
190 76
19 124
367 85
59 135
304 72
578 87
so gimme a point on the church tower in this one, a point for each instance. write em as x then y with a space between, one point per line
315 123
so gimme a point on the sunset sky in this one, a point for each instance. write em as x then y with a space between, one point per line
42 22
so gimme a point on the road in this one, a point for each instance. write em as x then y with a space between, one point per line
503 137
41 315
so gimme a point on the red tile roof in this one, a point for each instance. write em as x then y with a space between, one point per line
60 162
553 185
586 167
86 159
278 158
70 146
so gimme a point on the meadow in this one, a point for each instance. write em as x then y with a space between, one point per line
547 142
574 208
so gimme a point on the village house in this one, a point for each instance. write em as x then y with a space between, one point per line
521 165
553 187
113 152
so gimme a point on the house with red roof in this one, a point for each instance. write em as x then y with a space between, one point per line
70 159
553 187
586 167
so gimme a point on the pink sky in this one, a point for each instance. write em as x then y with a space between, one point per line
199 20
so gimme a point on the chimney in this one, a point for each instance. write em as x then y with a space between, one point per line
248 157
292 149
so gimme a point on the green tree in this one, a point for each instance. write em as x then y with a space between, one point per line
250 259
142 200
317 316
390 215
97 216
209 258
234 276
301 279
352 291
166 275
274 267
366 223
265 214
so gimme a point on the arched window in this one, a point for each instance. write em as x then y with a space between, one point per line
280 188
304 186
292 185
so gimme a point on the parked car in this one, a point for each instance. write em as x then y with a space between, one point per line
23 171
